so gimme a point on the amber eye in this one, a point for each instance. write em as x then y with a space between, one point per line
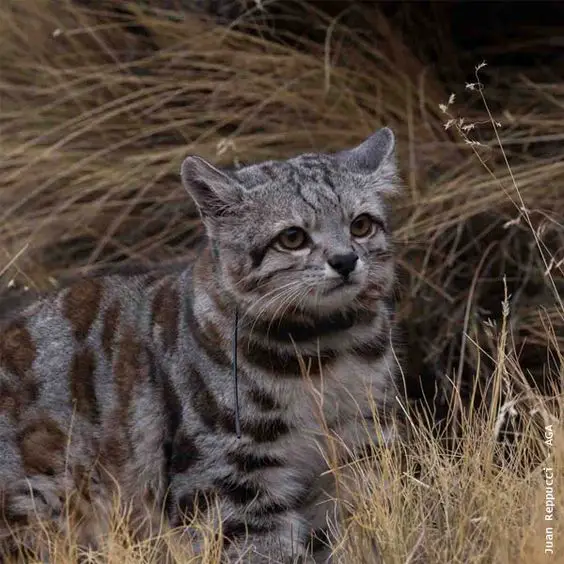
362 226
292 239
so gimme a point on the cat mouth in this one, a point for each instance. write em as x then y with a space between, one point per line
345 283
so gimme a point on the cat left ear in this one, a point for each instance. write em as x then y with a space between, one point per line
214 192
373 156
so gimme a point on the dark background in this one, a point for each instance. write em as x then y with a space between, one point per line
510 32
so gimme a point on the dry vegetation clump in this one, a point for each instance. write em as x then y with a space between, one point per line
99 106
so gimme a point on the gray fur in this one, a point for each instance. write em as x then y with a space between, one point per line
126 381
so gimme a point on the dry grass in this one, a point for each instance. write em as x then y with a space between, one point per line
96 118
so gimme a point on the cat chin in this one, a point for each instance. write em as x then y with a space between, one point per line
332 299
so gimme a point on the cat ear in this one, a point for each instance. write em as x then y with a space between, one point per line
214 192
374 155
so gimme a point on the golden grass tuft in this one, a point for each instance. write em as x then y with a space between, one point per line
99 107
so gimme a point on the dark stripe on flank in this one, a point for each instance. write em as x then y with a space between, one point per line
208 339
132 366
83 391
109 328
262 399
238 493
265 431
233 530
285 363
193 503
81 304
204 402
184 453
287 330
16 397
173 418
42 447
17 349
165 309
171 401
249 462
218 298
219 418
241 493
17 355
374 350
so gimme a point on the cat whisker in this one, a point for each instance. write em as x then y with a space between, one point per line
286 303
276 291
286 292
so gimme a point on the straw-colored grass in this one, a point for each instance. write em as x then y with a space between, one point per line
96 116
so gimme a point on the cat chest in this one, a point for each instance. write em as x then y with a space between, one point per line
348 388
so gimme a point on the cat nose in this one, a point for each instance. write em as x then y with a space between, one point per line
343 264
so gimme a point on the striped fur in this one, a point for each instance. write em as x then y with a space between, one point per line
126 381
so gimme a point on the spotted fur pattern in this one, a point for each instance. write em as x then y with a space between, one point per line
125 383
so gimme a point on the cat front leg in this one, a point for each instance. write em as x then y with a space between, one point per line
278 536
282 539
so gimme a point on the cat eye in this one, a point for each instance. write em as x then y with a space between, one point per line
292 239
363 226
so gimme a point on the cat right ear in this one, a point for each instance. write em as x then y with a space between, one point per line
214 192
374 157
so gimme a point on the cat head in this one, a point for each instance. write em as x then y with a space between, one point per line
310 233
